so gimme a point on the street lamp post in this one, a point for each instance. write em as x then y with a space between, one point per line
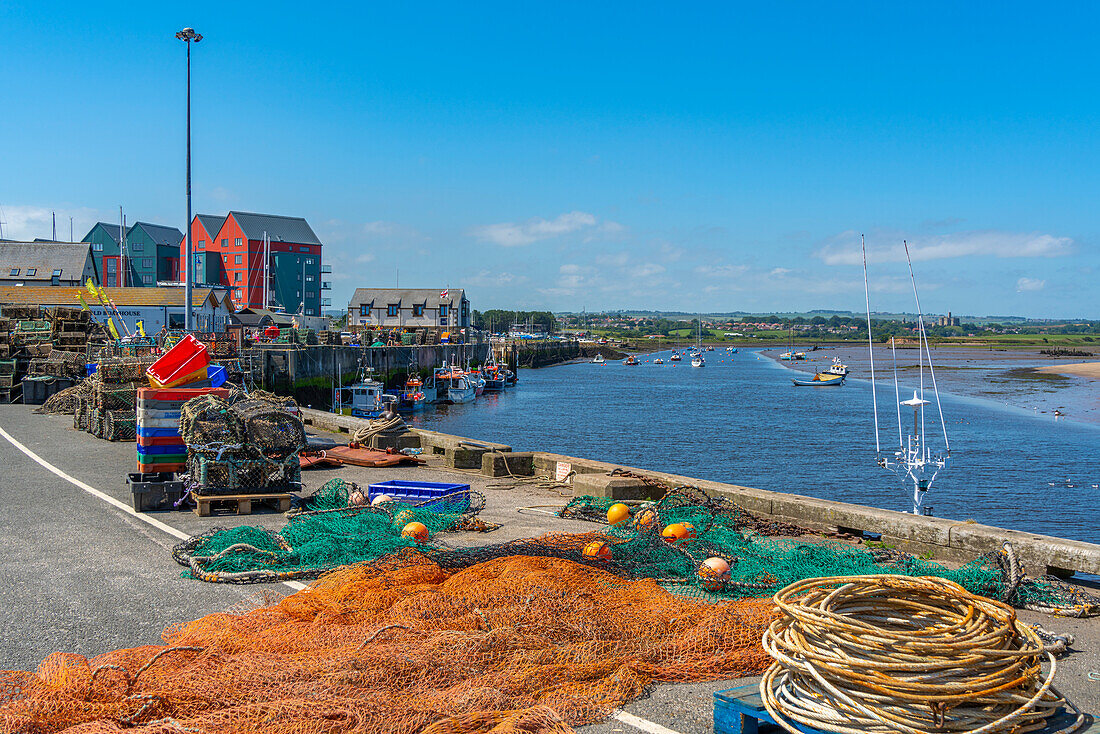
188 36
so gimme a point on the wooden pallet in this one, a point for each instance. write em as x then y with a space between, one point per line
243 502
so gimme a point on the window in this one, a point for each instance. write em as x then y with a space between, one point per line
14 272
236 277
392 309
201 245
309 261
418 309
147 279
309 278
225 259
137 246
56 273
225 242
237 242
237 259
442 310
364 310
97 247
31 271
148 262
304 249
465 309
112 266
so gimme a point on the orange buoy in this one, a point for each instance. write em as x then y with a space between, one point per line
714 573
645 520
617 513
598 549
674 533
690 531
415 530
380 499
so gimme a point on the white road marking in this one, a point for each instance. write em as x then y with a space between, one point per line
644 724
121 506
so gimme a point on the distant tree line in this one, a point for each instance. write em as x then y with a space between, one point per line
498 320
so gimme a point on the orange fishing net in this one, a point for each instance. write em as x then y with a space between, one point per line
514 644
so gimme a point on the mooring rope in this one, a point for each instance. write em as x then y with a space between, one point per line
888 654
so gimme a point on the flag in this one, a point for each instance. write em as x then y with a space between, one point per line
443 293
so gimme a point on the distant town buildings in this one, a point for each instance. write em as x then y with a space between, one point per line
232 251
44 263
147 257
409 308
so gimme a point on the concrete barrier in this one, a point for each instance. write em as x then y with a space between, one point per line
945 539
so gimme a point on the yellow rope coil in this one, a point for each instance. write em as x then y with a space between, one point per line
895 654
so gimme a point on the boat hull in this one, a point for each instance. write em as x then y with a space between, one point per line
818 383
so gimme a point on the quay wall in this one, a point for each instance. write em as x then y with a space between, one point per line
945 539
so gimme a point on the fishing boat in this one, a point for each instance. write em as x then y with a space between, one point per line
454 385
675 357
415 396
836 368
477 381
599 359
631 361
819 380
362 399
731 350
493 375
658 361
510 378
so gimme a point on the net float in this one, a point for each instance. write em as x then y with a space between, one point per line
598 549
380 499
714 573
416 531
645 520
617 513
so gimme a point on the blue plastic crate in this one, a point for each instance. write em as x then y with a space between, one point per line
148 432
415 493
171 449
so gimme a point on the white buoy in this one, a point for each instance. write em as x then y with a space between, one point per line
380 499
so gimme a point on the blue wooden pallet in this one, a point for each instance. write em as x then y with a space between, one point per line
741 711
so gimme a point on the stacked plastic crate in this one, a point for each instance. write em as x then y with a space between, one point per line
160 447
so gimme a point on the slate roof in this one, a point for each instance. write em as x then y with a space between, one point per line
160 234
279 229
405 296
212 223
44 257
111 229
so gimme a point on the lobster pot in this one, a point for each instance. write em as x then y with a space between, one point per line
80 414
241 472
275 433
120 425
96 420
209 420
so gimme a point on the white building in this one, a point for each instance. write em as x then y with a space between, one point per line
409 308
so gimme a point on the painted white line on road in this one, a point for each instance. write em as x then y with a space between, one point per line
121 506
644 724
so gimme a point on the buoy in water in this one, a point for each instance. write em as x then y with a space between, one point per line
415 530
380 499
617 513
598 549
714 573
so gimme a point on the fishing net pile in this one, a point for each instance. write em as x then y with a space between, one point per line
514 644
248 446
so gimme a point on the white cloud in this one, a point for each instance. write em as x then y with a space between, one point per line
515 234
1029 284
28 222
366 257
488 279
721 271
646 270
779 272
845 247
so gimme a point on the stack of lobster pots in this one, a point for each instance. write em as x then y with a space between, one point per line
160 447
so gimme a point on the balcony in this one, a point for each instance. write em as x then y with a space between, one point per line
326 269
326 285
326 301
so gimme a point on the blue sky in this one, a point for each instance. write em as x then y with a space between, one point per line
704 156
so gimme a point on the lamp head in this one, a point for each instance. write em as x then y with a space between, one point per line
188 34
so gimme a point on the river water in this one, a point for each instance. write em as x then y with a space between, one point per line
740 420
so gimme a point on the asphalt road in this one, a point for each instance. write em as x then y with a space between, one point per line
81 575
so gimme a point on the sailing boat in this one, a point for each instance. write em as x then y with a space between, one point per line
790 355
914 461
697 356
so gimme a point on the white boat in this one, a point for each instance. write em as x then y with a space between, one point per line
599 359
697 354
454 385
698 361
362 399
836 368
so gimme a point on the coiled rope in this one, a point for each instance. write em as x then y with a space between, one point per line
887 654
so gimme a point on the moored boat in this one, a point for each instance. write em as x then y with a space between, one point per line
630 360
675 357
819 380
454 385
599 359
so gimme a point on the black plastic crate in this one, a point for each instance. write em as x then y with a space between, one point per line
154 490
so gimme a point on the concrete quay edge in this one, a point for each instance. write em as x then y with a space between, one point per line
943 538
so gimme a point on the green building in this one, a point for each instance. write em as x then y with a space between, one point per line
151 254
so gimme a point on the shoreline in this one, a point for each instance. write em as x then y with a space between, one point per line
1089 370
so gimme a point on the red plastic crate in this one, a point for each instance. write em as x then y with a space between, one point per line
187 358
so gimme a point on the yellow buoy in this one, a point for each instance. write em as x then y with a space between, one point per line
617 513
674 533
